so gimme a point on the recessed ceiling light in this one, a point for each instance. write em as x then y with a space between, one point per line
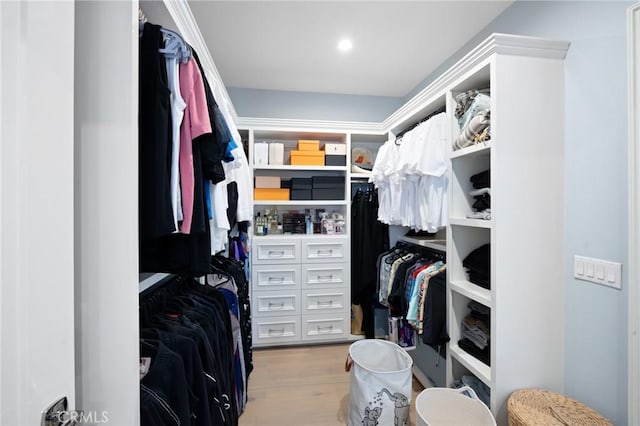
345 45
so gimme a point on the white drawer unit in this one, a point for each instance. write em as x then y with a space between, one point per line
269 331
275 277
325 327
276 303
276 251
323 276
324 251
323 302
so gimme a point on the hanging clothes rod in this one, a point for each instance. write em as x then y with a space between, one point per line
413 126
423 249
154 282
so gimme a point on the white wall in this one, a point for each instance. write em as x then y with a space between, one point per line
106 187
317 106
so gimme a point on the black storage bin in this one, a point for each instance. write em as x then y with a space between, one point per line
327 181
336 193
335 160
300 189
328 187
300 194
301 183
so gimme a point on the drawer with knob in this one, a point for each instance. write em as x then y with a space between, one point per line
325 326
276 303
324 276
276 251
268 331
324 251
323 302
275 277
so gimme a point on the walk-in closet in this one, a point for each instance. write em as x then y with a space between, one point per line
209 208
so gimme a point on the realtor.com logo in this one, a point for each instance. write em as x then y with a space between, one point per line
82 417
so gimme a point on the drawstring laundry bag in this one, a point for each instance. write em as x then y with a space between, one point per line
380 384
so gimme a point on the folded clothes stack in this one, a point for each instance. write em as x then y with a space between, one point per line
476 332
477 265
482 194
473 111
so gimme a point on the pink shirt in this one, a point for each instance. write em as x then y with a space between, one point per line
195 123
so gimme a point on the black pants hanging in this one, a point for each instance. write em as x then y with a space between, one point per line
369 238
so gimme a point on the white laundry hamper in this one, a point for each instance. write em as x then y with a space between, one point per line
452 407
380 383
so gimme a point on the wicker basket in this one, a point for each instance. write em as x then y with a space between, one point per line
533 407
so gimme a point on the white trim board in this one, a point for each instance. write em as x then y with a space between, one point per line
633 54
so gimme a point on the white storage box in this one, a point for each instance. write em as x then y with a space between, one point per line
335 149
261 153
276 153
267 182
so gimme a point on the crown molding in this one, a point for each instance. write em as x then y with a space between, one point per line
510 44
310 125
495 43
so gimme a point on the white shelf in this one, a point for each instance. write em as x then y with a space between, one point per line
475 223
426 242
482 148
300 203
473 291
304 168
479 369
360 175
277 236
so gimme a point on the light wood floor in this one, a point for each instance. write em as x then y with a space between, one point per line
301 386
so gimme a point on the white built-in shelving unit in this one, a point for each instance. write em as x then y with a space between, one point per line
525 232
300 287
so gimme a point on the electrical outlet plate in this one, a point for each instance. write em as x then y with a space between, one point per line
598 271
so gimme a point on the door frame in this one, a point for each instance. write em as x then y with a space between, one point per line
633 67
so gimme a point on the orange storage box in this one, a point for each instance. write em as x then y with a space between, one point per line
308 145
307 158
269 194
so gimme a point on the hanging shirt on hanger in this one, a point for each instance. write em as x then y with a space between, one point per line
177 113
155 210
195 123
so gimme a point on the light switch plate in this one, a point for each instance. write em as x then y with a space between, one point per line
598 271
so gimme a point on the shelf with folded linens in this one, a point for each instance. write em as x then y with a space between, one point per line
472 291
495 164
478 368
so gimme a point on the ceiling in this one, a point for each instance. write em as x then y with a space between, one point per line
292 45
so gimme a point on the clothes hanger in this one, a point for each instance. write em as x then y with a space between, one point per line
424 120
149 347
175 46
141 21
